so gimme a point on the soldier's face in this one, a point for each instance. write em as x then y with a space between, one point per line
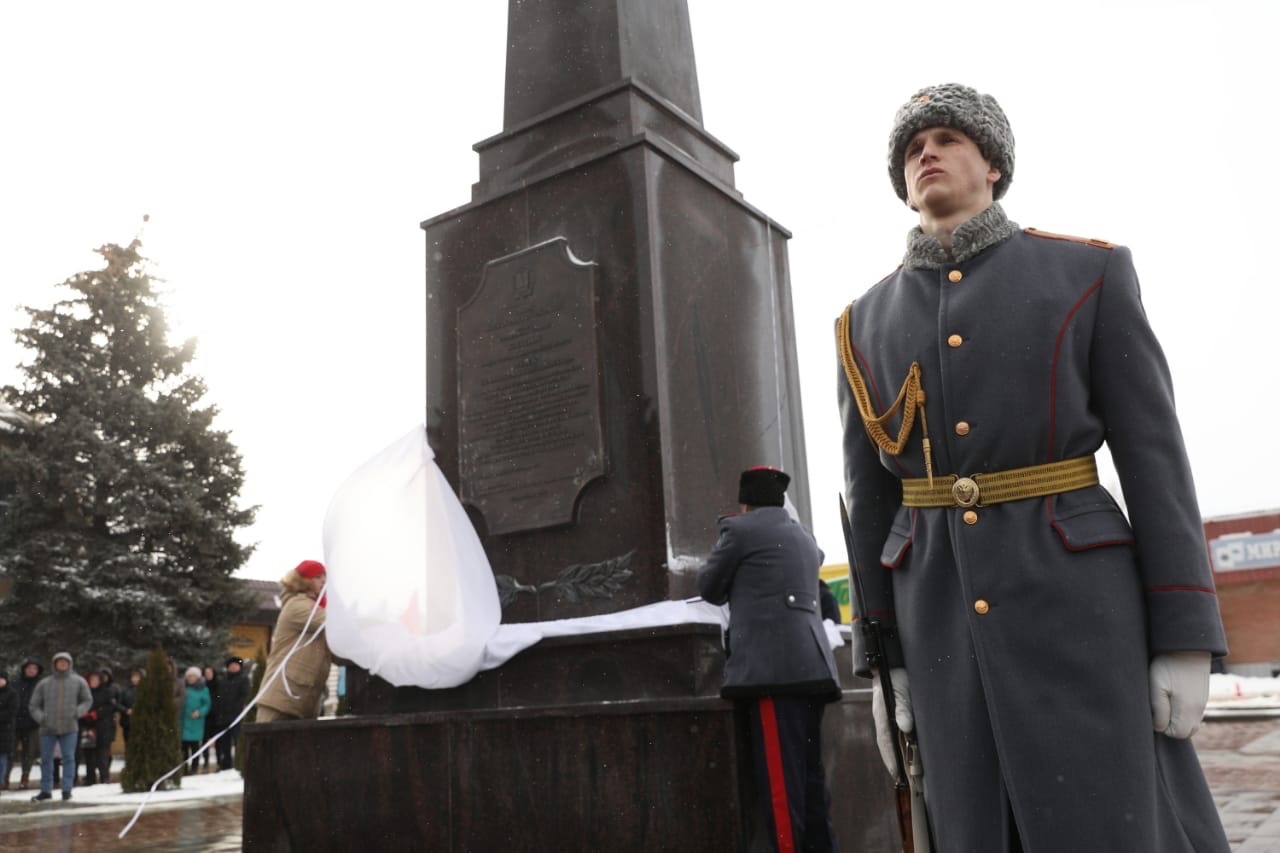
946 173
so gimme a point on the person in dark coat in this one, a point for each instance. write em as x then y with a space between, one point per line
232 696
778 663
213 723
1051 653
26 730
828 605
107 727
98 728
128 696
8 722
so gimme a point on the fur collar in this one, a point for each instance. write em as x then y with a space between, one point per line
986 229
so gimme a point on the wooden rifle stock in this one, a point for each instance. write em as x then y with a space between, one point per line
902 793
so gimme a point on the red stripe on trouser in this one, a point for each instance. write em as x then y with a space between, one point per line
777 782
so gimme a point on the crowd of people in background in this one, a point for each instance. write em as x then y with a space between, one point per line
69 720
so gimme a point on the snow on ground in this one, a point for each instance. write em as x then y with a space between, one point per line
111 799
1228 692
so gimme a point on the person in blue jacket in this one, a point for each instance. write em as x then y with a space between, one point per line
196 703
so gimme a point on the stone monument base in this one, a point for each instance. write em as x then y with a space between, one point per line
644 757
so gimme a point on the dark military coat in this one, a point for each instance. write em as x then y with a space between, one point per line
1026 628
765 565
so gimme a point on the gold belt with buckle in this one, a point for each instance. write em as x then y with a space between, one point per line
1015 484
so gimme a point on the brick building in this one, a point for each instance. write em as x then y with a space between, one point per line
1245 553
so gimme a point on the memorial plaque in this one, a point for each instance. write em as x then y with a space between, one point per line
531 433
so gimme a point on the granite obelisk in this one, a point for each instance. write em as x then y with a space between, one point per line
609 326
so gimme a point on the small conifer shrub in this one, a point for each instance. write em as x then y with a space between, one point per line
154 744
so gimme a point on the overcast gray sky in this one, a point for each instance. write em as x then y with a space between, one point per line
287 151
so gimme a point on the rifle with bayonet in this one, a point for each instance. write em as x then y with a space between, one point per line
908 776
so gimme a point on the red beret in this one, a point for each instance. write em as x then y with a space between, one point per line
310 569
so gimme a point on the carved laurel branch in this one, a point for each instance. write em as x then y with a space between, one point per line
579 581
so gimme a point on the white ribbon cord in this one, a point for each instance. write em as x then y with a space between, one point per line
297 644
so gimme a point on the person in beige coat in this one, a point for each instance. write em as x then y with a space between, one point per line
298 692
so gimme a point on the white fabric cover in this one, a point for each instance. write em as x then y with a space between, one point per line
411 596
509 640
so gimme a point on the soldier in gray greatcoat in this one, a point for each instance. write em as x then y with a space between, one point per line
1051 654
778 661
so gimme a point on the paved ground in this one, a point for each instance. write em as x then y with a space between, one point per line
1241 759
203 815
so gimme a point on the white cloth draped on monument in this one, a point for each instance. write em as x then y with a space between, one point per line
411 593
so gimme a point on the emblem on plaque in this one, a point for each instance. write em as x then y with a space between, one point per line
530 423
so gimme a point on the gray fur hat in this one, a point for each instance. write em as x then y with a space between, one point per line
974 114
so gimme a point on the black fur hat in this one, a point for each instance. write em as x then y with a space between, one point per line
762 486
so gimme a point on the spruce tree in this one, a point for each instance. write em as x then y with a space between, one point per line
120 530
155 746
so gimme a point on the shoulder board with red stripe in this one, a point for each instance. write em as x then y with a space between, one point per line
1101 244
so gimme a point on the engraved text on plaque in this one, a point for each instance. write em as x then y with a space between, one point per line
530 425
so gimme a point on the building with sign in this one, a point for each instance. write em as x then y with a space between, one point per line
1245 553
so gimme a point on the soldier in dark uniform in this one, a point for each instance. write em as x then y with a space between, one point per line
779 663
1052 654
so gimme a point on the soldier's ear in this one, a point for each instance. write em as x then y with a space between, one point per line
993 176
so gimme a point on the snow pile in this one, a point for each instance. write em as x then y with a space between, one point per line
110 798
1238 692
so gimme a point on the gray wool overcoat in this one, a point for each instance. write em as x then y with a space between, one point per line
1026 631
765 565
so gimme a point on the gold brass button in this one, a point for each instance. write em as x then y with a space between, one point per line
981 607
970 517
962 428
954 341
954 276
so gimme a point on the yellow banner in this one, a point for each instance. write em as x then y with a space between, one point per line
837 577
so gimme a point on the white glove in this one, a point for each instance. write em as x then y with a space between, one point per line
1179 692
901 714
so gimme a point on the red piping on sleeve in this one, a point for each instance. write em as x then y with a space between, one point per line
1205 589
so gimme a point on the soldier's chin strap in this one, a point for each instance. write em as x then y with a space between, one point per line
910 400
